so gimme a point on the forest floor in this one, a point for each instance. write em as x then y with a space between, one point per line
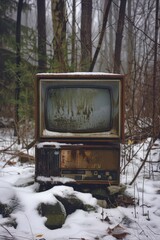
140 220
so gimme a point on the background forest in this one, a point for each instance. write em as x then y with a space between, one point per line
117 36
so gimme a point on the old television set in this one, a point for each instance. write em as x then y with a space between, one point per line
79 126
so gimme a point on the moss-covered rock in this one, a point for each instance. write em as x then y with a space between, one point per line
55 214
89 208
100 193
71 203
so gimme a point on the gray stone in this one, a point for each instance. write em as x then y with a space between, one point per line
10 222
116 189
102 203
5 210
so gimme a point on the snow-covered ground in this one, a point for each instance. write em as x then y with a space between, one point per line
140 221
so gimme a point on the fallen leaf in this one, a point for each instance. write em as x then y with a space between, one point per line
118 232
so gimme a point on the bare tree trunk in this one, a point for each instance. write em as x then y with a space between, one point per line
155 125
73 57
105 18
110 47
59 38
86 26
41 35
129 41
118 44
18 61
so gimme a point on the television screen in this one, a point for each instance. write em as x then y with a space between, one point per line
79 106
78 109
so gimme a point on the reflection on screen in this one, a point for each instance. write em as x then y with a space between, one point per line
81 110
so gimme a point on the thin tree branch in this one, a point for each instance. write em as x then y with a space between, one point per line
144 161
105 18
